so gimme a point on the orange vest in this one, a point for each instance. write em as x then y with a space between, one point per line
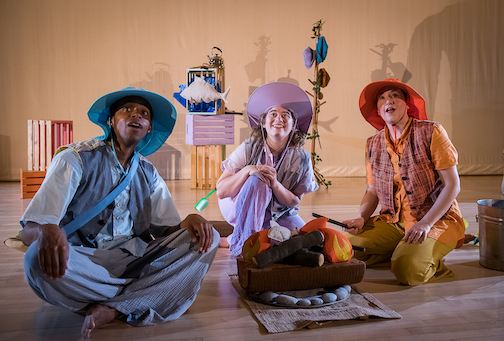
420 180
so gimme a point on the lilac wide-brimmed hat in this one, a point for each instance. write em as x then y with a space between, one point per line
281 94
309 56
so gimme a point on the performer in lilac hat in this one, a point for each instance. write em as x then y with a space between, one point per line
265 177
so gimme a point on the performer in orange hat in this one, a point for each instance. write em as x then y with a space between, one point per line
411 168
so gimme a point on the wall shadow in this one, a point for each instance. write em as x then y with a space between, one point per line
389 69
245 131
159 80
288 79
461 48
167 161
257 68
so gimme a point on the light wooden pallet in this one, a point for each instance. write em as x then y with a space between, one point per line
44 138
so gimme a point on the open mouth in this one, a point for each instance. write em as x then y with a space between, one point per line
389 110
135 125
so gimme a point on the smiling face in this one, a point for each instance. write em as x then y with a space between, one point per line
278 123
392 106
131 122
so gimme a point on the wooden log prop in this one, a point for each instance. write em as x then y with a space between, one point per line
288 248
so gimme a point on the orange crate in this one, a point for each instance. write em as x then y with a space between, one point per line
30 182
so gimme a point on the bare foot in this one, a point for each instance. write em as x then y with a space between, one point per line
97 316
223 242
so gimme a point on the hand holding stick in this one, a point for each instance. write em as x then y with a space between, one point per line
345 226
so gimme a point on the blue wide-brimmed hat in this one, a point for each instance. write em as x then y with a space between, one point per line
164 116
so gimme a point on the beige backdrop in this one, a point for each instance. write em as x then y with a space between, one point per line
58 56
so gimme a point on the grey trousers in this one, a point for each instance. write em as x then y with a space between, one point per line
155 288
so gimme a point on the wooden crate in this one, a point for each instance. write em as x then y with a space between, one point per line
205 166
215 77
205 130
44 137
209 136
30 182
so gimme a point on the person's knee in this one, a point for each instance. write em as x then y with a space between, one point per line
252 189
216 239
254 182
31 260
213 246
410 271
33 272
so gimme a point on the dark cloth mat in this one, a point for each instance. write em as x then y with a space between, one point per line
222 227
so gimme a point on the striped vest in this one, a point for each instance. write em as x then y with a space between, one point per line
419 178
96 183
296 163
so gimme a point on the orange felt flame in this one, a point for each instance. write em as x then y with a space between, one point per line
337 247
343 250
256 243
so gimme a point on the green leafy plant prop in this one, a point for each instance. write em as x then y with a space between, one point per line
318 83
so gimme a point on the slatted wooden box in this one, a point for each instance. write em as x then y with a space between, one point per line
205 130
44 138
31 182
209 136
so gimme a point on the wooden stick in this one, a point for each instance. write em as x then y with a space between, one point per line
332 221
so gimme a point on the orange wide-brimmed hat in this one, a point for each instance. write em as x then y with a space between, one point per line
368 99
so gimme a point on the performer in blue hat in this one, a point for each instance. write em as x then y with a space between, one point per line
134 259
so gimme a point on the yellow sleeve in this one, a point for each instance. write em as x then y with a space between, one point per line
444 154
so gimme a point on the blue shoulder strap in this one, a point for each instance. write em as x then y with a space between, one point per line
78 222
